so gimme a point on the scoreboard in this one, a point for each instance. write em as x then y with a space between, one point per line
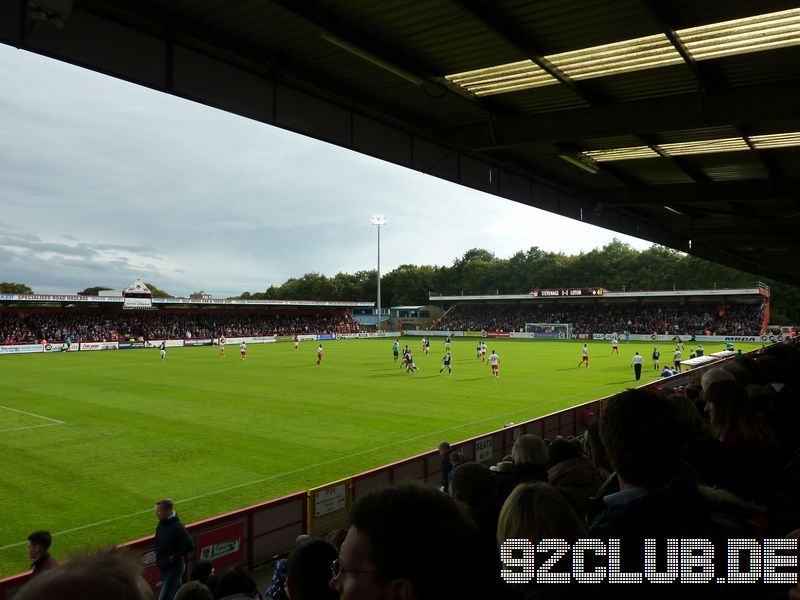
568 293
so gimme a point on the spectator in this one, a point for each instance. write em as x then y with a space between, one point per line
644 439
537 511
99 575
529 457
456 460
446 465
336 536
236 584
193 590
39 551
408 541
309 570
573 474
204 572
474 488
750 444
172 543
277 587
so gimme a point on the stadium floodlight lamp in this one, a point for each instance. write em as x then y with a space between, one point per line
379 221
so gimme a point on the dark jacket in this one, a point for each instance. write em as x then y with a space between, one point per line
578 480
673 510
43 563
446 467
173 542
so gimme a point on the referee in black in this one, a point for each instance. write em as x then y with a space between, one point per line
637 365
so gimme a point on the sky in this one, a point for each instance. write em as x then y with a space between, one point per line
103 181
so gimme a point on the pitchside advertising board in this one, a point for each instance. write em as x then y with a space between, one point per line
21 349
138 345
223 546
764 339
92 346
198 342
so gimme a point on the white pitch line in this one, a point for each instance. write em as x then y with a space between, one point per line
30 427
30 414
284 474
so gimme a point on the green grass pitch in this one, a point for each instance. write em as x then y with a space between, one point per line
89 441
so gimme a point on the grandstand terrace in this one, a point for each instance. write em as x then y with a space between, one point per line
32 318
729 312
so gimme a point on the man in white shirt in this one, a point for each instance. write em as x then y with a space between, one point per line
637 362
494 362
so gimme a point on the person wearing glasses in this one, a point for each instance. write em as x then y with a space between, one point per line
406 541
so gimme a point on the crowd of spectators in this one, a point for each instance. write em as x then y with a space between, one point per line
26 326
640 318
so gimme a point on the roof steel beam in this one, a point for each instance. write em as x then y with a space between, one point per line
707 108
749 190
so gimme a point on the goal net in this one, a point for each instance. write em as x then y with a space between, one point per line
561 331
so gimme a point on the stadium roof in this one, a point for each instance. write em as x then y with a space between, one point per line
68 299
674 121
569 295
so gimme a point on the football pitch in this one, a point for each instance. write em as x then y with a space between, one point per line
89 440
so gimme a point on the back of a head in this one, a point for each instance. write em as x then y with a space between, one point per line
735 411
236 580
538 511
529 450
715 374
102 575
336 536
417 533
771 368
201 570
41 538
596 448
643 436
193 590
457 458
688 416
309 570
474 485
561 450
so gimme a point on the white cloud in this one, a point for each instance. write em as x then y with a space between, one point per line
102 181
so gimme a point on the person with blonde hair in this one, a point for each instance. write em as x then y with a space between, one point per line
538 511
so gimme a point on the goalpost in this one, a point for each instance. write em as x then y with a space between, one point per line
561 331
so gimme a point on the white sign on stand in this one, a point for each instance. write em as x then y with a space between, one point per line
330 500
483 449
